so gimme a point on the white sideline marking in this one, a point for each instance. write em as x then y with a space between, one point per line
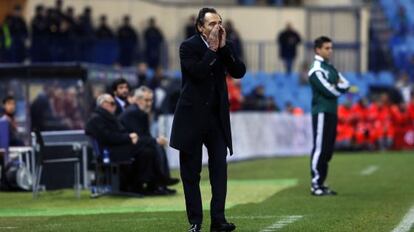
406 223
369 170
286 220
8 227
253 217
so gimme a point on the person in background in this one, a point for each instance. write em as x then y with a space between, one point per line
127 42
154 40
236 98
288 40
327 85
39 35
9 107
103 31
18 33
290 109
234 36
258 101
189 27
142 78
136 118
345 129
123 146
120 91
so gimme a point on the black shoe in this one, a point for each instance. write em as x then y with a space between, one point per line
170 191
194 228
161 191
171 181
222 227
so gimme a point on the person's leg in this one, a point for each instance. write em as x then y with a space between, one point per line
328 142
318 161
163 161
217 153
190 169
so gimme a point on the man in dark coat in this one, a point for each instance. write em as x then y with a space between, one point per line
288 40
136 119
120 91
202 116
154 40
128 43
111 135
123 146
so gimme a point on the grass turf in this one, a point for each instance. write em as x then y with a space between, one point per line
261 193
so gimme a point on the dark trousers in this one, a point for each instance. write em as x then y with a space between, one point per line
324 134
288 64
190 168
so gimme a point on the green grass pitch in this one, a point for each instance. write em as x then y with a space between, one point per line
375 190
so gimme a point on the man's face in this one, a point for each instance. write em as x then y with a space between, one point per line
210 20
109 105
10 107
325 51
122 91
145 102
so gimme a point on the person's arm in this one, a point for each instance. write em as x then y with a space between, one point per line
96 127
234 65
343 84
196 67
134 122
318 80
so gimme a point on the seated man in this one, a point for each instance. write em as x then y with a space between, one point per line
9 108
123 146
136 119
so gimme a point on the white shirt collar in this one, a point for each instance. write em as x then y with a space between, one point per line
121 102
204 41
318 57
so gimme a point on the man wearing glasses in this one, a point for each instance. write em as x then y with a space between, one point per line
122 145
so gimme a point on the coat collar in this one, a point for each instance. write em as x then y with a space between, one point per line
104 113
320 58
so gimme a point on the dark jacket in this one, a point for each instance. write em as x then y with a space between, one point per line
119 108
202 71
106 129
136 120
288 40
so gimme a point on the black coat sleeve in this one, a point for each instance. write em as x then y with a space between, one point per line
191 63
98 128
234 65
138 123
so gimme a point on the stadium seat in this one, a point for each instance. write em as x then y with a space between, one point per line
107 173
386 78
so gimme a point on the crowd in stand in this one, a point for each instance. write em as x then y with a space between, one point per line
58 35
380 125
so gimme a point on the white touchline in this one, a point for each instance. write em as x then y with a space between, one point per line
8 227
406 223
286 220
369 170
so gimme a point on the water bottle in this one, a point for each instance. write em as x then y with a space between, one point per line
105 157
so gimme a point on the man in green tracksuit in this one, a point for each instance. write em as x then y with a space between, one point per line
327 85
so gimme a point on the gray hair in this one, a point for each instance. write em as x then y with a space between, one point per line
139 93
102 98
